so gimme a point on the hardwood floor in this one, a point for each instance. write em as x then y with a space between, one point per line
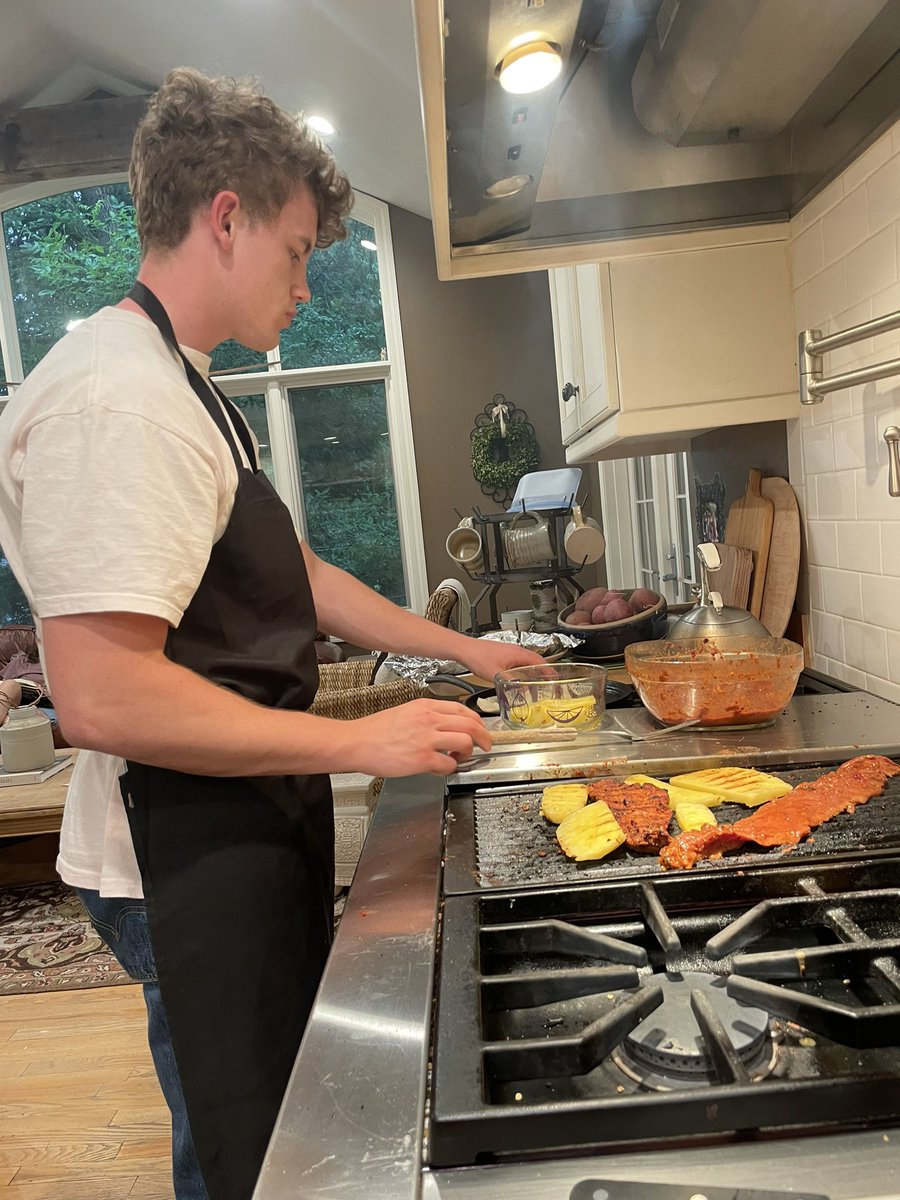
81 1113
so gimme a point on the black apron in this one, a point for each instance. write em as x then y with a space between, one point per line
238 873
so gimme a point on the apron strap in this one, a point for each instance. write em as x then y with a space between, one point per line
231 427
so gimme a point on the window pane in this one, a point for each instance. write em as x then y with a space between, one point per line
68 256
231 354
348 482
14 608
254 410
342 322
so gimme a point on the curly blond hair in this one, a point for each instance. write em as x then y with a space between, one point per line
203 135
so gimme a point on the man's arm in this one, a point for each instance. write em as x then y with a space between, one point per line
115 691
350 610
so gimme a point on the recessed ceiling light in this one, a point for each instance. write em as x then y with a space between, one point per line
367 244
509 186
530 67
321 125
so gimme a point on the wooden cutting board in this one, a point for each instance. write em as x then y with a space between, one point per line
732 580
749 524
783 567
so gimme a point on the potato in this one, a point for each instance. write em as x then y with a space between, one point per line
598 616
591 598
576 617
618 610
642 598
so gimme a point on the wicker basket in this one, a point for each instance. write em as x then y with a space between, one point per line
346 691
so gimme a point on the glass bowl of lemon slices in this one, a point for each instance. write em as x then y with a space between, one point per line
553 695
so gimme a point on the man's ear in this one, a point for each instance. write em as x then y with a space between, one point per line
223 214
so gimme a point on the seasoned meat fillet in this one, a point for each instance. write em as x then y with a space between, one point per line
787 820
641 811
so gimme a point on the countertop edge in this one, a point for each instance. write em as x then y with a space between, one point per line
351 1121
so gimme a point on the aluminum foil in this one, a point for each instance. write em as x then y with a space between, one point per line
420 670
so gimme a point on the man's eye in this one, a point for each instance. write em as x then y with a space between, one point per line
295 257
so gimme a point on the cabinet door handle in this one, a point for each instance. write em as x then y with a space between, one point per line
892 437
569 392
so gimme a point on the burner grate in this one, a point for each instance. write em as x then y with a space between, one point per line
665 1008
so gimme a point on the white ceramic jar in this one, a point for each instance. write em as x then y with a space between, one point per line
26 740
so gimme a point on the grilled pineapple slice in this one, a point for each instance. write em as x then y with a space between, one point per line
740 785
590 833
679 795
693 815
561 799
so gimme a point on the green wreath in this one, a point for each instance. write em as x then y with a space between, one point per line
522 454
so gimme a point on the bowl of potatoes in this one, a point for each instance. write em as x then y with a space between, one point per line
609 619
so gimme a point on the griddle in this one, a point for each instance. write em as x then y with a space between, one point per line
500 840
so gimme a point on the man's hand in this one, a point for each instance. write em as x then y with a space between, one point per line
423 736
485 658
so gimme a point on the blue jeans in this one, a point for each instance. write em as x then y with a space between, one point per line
123 926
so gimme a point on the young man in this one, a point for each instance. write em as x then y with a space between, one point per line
176 613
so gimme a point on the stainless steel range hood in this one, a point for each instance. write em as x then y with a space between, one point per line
688 117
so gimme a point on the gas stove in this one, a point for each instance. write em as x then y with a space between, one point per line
497 1022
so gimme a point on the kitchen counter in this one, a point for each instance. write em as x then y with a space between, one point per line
352 1118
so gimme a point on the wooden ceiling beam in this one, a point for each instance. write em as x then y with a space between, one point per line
60 141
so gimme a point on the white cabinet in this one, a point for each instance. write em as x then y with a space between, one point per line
585 353
666 347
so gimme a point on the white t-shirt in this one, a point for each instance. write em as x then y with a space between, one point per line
114 485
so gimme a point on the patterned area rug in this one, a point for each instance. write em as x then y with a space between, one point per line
47 943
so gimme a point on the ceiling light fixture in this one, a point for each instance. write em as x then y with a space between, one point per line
530 67
321 125
509 186
367 244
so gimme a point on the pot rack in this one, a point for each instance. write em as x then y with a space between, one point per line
814 386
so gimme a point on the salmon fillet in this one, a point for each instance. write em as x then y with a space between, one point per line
789 819
642 812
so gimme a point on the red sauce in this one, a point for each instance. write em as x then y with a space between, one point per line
789 819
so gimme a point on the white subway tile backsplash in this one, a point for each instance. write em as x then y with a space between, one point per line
845 254
828 295
822 543
825 200
893 655
883 188
841 593
818 449
808 256
849 444
871 266
844 227
835 496
890 544
880 600
859 545
828 635
884 688
865 647
869 162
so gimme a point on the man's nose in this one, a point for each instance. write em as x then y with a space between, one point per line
300 291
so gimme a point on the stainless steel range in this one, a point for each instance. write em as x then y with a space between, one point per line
497 1021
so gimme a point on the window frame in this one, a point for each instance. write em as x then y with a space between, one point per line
274 382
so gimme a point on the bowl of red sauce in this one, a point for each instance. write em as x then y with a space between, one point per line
733 682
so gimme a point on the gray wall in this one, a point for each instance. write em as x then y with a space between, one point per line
464 340
735 450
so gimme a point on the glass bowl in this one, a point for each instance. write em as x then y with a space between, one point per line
737 682
559 695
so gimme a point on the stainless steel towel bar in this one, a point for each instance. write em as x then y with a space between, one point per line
813 386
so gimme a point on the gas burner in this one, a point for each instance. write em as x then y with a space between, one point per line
669 1047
